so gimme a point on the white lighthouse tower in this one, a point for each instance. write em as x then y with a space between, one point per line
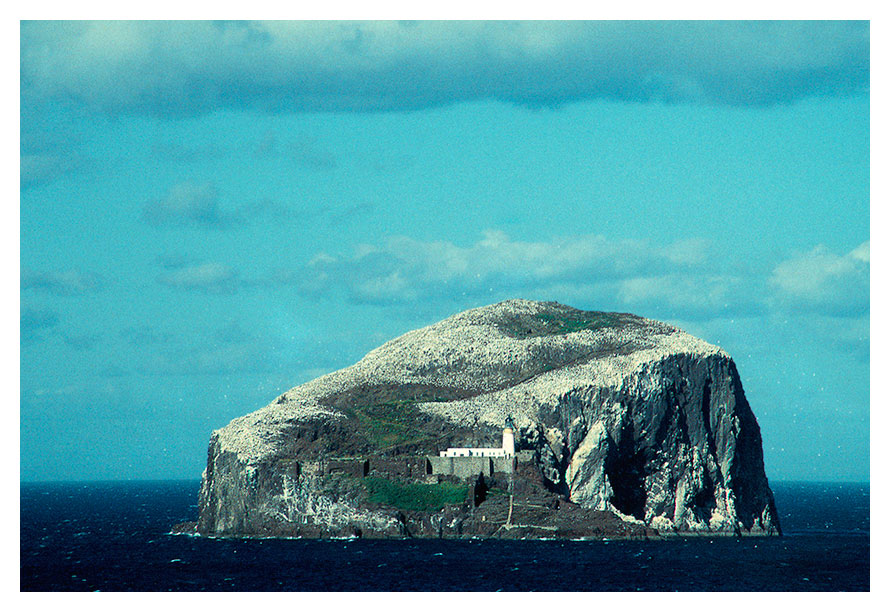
508 444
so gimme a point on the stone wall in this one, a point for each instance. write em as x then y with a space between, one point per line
402 467
470 467
352 467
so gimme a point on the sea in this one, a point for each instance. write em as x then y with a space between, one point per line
115 536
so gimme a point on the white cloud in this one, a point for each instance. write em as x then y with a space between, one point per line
693 295
683 280
689 251
79 393
824 282
186 203
191 204
34 322
35 318
615 274
162 67
406 269
207 277
61 283
38 168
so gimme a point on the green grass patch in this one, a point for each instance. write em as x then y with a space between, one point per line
408 496
387 425
559 322
387 414
567 323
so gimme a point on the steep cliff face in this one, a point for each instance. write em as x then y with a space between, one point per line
675 445
624 417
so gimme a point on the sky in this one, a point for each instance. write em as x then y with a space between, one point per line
214 212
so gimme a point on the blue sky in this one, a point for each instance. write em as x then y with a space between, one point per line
212 213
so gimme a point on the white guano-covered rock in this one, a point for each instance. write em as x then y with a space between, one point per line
624 413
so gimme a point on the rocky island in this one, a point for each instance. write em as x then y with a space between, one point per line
609 425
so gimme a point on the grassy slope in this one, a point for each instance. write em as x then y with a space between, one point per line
387 415
563 320
410 496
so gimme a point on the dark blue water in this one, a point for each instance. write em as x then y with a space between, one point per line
115 537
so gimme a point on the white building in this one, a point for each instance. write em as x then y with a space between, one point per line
507 448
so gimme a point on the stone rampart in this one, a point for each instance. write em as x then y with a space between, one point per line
470 467
403 466
350 466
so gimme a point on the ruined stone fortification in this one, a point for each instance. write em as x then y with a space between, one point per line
630 426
